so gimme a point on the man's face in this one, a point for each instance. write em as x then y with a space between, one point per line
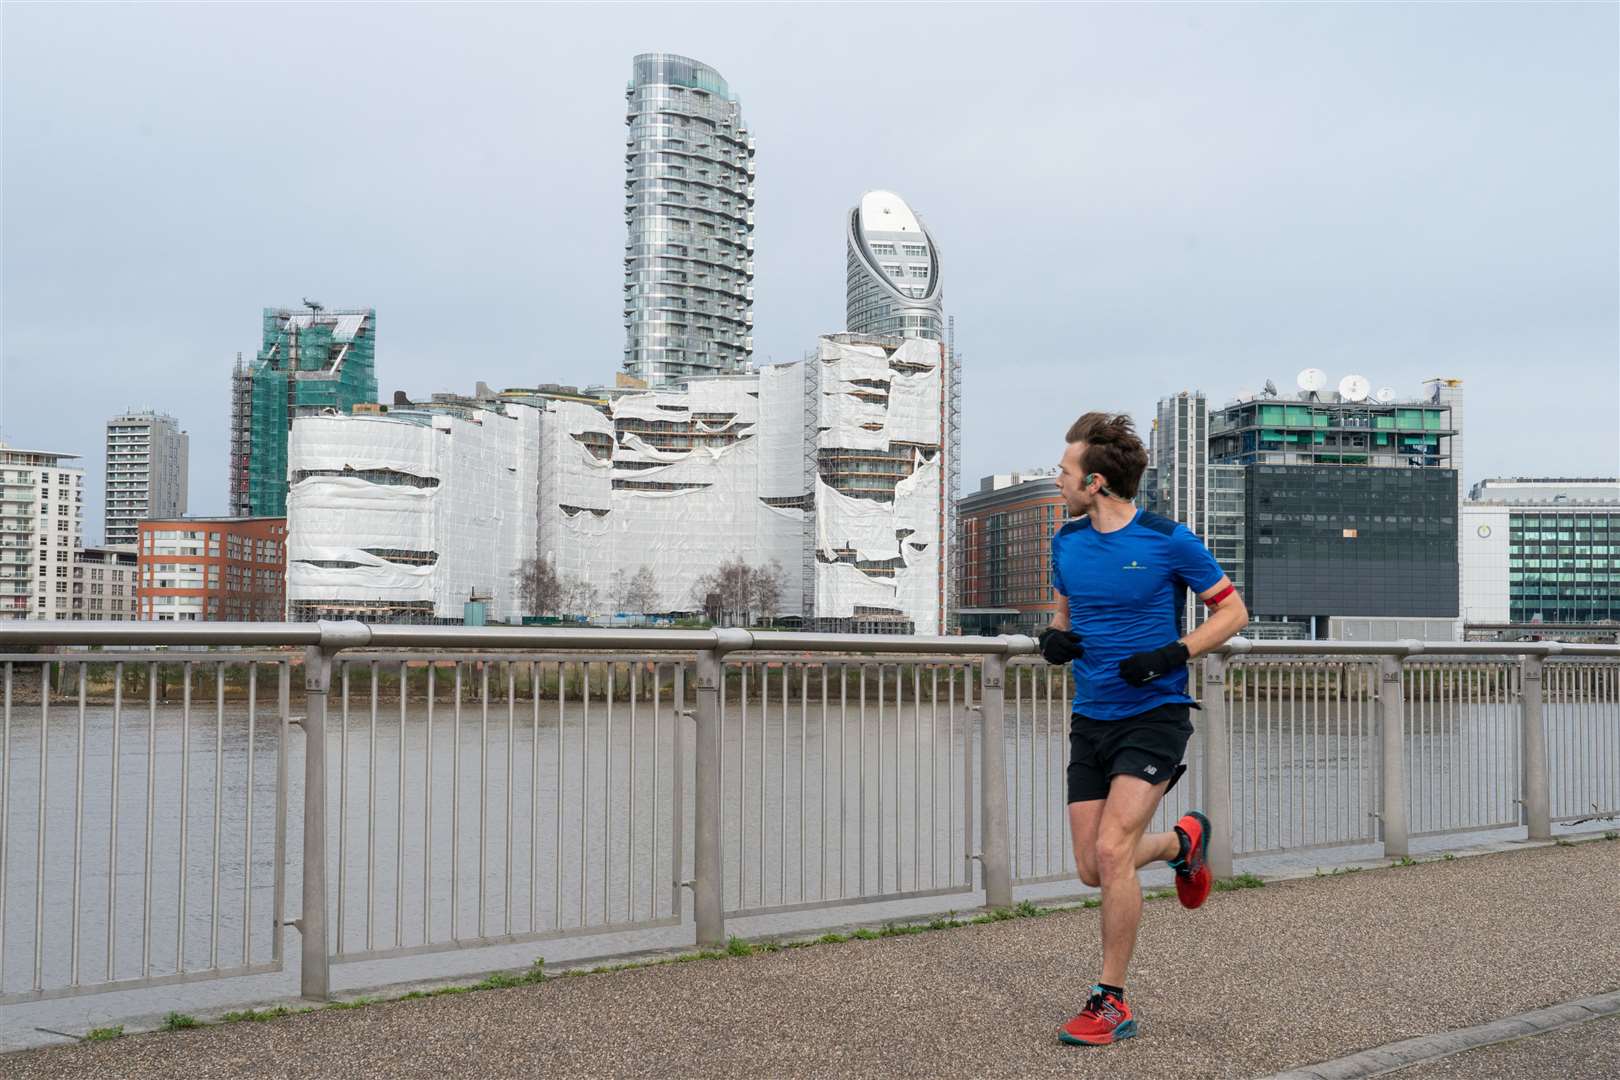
1071 481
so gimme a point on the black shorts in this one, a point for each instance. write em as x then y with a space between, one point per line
1148 745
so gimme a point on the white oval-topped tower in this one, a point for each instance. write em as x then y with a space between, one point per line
893 284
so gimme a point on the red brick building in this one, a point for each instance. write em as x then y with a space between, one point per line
212 570
1006 554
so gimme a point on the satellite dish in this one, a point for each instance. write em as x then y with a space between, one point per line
1245 394
1385 395
1271 388
1311 380
1354 388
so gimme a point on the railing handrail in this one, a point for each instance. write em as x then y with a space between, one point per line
332 635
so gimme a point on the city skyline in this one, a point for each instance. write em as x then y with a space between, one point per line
1204 252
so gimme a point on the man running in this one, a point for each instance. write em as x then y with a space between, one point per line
1123 574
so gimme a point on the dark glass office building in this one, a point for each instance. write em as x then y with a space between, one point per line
1351 510
1336 540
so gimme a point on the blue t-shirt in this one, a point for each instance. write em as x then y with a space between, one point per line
1126 590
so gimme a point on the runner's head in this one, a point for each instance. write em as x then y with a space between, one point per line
1104 458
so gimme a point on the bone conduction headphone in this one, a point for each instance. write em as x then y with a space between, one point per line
1103 488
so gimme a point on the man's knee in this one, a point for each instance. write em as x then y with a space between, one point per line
1116 853
1088 875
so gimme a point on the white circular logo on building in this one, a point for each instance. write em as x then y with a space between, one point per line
1484 531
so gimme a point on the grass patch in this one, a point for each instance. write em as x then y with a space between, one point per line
178 1021
1406 860
1611 835
1239 881
253 1016
357 1003
1562 842
1091 902
736 946
866 934
832 939
104 1034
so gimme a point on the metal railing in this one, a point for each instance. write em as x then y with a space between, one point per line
471 787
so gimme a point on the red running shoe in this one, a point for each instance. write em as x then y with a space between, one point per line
1193 878
1104 1020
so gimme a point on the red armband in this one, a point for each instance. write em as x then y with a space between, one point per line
1215 600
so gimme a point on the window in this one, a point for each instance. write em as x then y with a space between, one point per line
918 271
914 251
883 249
894 270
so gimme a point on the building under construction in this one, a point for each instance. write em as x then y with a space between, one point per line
310 360
831 473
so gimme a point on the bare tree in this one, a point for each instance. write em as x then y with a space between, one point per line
579 597
734 593
767 589
641 594
539 588
619 591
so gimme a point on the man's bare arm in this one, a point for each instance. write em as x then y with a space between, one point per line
1227 617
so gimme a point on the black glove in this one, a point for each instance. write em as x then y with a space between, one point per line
1060 646
1144 667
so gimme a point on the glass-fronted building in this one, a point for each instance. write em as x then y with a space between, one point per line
689 209
1183 485
1541 551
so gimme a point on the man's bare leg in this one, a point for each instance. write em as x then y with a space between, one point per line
1121 831
1085 817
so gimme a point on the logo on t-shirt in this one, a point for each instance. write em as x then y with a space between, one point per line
1134 565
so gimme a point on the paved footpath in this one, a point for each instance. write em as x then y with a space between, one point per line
1258 981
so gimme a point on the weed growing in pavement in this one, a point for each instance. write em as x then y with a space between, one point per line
1448 857
256 1015
1240 881
177 1021
1406 860
736 946
103 1034
1563 842
1611 835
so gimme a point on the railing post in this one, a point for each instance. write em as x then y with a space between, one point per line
994 847
1392 742
1537 809
314 969
707 900
1217 767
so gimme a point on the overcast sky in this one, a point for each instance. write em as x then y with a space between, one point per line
1129 201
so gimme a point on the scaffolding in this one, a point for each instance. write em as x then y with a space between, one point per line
309 362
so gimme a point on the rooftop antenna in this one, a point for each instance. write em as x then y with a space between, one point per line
1310 381
1271 388
314 305
1354 388
1385 395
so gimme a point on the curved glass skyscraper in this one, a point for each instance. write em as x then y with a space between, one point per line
689 198
893 271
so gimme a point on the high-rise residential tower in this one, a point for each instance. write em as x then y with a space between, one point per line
894 290
147 470
689 209
893 271
41 532
309 361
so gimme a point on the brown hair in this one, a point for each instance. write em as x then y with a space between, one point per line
1113 450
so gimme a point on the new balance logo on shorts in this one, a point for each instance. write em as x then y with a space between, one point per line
1151 770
